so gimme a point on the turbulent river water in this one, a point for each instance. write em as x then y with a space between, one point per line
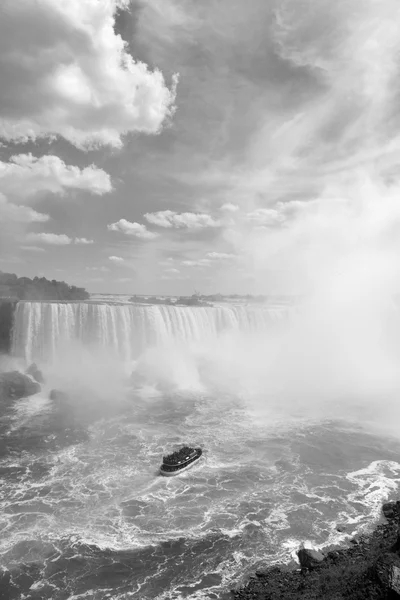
83 512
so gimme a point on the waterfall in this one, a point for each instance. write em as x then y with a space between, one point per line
127 329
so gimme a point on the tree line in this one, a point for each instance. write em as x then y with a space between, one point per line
39 289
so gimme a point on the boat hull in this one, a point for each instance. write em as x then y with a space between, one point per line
174 473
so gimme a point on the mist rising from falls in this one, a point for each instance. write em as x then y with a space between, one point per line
325 359
40 329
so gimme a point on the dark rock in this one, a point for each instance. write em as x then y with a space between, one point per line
388 510
35 372
332 549
396 546
368 568
387 570
261 573
391 510
341 528
309 559
394 580
14 384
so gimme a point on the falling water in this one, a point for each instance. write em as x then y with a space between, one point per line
126 329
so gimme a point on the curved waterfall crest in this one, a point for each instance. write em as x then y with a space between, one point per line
127 329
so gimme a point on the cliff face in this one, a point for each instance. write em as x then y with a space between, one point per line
7 308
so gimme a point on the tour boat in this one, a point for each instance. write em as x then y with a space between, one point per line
179 461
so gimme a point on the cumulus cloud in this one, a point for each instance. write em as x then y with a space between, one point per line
282 212
56 239
53 239
19 214
25 176
70 74
188 220
266 216
116 259
135 229
229 207
83 241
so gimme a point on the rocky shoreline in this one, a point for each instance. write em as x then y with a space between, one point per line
367 570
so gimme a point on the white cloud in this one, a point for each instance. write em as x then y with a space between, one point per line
169 218
116 259
201 262
25 176
229 207
281 214
220 256
209 259
53 239
266 217
135 229
83 241
19 214
70 74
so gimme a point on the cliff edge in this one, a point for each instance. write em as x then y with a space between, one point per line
368 570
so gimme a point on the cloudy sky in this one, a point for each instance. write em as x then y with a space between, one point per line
171 145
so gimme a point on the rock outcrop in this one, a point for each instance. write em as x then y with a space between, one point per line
14 385
35 372
309 559
387 570
368 568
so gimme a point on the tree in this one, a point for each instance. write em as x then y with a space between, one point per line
41 289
